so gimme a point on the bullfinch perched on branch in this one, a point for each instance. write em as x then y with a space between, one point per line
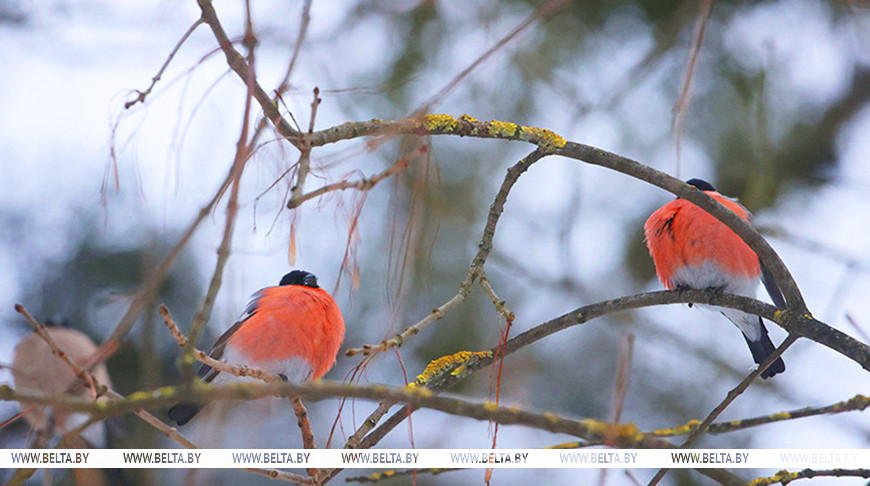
35 367
692 249
293 330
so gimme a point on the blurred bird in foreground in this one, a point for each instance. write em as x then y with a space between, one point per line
35 367
293 330
692 249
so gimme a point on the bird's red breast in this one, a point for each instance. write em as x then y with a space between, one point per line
292 321
681 234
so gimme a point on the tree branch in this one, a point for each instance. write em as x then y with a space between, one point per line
475 271
785 477
466 126
240 67
856 403
729 398
141 95
586 313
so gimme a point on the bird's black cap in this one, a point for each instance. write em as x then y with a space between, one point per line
701 184
299 277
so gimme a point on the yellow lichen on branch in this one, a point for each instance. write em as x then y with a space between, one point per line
441 123
623 434
500 129
453 363
543 138
684 429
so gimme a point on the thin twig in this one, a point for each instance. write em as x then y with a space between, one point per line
243 150
682 106
729 398
363 184
141 95
736 391
305 21
314 104
477 263
397 340
203 357
285 82
81 373
495 376
856 403
151 285
298 408
541 13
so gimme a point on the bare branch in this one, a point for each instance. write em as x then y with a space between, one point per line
297 48
81 373
541 13
149 287
856 403
729 398
363 184
397 340
243 150
240 67
682 106
476 269
141 95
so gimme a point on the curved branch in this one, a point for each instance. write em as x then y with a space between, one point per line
780 272
801 325
466 126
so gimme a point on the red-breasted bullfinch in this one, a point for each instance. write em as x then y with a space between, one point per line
692 249
293 330
35 367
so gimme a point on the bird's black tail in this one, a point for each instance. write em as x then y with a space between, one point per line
760 350
183 412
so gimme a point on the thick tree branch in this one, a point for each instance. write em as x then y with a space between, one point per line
625 435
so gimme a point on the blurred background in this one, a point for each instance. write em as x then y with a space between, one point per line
95 196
